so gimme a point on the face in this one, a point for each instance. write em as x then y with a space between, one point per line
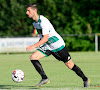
30 12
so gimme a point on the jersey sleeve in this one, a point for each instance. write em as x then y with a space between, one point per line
45 27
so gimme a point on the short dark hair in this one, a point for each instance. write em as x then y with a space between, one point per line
32 5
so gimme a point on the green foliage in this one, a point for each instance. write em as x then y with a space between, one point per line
67 17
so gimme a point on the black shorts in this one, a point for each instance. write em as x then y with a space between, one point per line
61 55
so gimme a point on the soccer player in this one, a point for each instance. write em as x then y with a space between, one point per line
50 43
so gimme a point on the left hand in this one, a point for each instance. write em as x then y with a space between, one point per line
30 47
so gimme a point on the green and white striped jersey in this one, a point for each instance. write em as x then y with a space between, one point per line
55 42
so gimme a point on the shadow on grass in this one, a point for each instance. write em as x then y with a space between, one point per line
94 85
17 87
21 87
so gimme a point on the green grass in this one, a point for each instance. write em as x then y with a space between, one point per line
60 76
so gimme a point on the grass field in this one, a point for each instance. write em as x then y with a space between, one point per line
60 76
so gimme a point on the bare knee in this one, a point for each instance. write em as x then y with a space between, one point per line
37 55
70 64
32 57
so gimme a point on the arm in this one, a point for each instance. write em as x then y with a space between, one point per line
42 41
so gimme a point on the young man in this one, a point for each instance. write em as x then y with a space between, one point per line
50 43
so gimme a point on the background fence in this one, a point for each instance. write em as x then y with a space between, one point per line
8 45
96 40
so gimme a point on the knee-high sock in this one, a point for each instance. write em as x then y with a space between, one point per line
39 68
79 72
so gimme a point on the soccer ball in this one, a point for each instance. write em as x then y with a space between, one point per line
17 75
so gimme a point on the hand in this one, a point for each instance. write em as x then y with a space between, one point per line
30 48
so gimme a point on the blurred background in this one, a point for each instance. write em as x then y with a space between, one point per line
77 21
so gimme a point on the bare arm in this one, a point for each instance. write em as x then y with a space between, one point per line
42 41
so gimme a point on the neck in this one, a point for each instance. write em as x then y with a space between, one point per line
36 18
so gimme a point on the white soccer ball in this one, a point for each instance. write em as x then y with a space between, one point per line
17 75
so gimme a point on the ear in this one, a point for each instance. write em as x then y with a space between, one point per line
35 10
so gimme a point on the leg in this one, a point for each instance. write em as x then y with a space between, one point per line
34 59
64 56
78 71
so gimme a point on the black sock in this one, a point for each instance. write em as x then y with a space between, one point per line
39 68
79 72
